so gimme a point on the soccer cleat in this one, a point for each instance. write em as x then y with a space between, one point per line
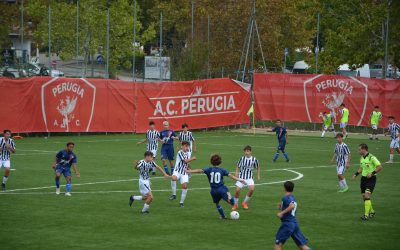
172 197
377 138
371 214
131 200
145 212
345 189
181 205
3 187
340 190
153 173
244 205
371 138
57 191
234 207
223 218
68 194
364 217
287 161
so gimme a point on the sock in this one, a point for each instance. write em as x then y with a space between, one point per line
58 182
236 200
334 133
323 133
247 199
341 185
68 187
166 169
344 183
367 207
153 170
371 210
232 201
173 187
276 156
390 158
172 170
5 178
221 211
286 156
183 196
145 207
137 197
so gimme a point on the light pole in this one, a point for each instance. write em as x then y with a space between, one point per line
134 42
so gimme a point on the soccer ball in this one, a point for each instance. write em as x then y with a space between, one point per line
234 215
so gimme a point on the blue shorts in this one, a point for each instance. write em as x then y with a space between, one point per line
220 193
167 152
290 229
63 170
281 145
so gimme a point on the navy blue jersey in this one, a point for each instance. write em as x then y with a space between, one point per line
215 176
166 136
65 159
286 201
280 133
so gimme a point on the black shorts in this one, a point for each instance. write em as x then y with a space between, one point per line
367 184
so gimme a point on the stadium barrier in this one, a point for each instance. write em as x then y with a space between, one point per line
303 98
43 104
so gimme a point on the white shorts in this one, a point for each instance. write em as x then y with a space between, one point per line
5 164
340 169
343 124
144 187
183 178
374 126
249 182
329 127
394 143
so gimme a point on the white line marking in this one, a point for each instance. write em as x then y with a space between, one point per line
180 116
273 147
193 96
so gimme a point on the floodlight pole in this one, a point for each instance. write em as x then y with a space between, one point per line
134 42
317 47
50 66
77 33
107 75
208 45
161 43
385 66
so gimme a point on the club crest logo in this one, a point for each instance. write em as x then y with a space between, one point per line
328 92
68 105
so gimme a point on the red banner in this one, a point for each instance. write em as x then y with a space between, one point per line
43 104
303 98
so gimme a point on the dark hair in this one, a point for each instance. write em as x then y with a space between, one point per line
391 117
324 113
185 143
278 120
363 146
342 105
339 135
6 131
248 147
289 186
185 125
148 153
215 160
376 107
70 143
151 123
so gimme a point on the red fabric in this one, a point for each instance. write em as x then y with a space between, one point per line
303 98
41 104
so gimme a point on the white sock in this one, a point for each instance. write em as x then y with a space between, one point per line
246 199
344 183
173 187
341 184
236 200
323 133
138 197
5 178
390 158
183 196
334 133
145 207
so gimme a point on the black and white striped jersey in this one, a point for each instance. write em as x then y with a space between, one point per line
144 168
4 152
246 167
180 164
152 137
394 130
342 152
187 136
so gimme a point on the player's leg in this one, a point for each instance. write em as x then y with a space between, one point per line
344 131
367 187
164 156
143 191
239 186
174 178
342 180
153 170
171 155
184 181
276 154
68 186
250 185
299 238
283 234
7 166
147 200
391 152
284 153
324 129
332 129
59 171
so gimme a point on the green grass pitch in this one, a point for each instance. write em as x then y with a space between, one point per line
97 216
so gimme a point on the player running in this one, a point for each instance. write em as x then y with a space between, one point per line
215 175
186 135
152 138
369 167
289 227
376 117
394 131
343 156
244 170
7 146
328 124
65 159
282 136
344 118
145 166
181 165
167 137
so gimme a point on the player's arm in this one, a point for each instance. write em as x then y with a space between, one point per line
348 160
193 158
377 169
236 178
287 137
54 163
195 171
162 171
359 170
141 142
76 171
237 171
258 173
11 147
287 210
135 164
194 146
333 157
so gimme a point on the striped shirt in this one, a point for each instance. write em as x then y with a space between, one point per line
180 164
394 130
152 137
4 152
144 168
342 152
186 136
246 166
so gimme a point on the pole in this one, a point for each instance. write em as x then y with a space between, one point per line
77 33
284 64
50 66
317 47
159 62
385 66
191 59
22 24
208 45
134 42
108 41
